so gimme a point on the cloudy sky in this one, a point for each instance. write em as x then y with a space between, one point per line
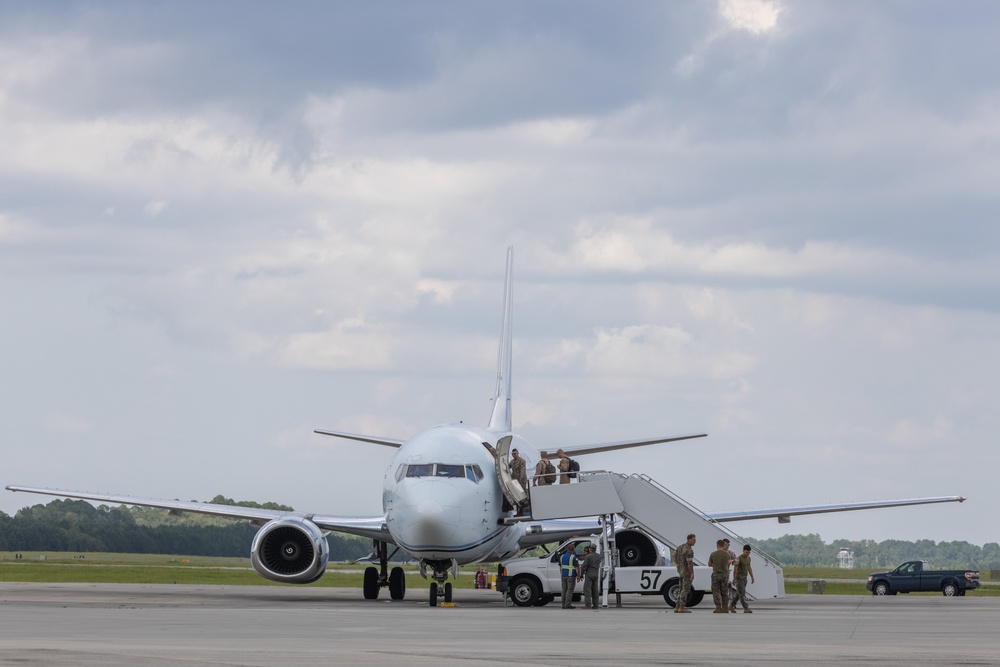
225 224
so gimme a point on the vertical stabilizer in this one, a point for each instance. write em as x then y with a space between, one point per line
500 419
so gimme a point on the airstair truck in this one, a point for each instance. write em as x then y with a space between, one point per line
535 580
641 519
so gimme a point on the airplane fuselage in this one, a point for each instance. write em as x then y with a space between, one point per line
442 499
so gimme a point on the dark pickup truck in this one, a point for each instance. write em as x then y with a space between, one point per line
915 576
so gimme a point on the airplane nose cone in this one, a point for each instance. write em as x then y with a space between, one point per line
430 515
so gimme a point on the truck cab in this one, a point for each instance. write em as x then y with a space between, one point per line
916 576
537 580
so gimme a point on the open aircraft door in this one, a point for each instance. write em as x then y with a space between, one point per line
511 487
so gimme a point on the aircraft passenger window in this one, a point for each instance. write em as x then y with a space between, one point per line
420 470
447 470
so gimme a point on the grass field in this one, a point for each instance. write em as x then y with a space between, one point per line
167 569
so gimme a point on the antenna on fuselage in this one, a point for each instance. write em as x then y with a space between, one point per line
500 419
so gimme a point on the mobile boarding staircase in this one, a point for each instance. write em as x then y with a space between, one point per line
643 502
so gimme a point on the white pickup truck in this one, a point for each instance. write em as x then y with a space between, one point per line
535 580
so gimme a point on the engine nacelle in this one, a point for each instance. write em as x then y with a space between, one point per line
290 550
637 549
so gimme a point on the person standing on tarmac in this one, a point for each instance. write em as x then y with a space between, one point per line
567 570
732 560
718 560
740 573
590 570
684 559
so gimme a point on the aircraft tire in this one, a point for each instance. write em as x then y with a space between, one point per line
371 583
447 592
433 601
397 584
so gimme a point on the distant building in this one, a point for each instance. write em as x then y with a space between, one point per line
845 557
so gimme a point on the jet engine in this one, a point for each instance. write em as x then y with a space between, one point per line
637 549
290 550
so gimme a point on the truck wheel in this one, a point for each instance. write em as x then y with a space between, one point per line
544 600
670 591
695 598
880 588
950 589
524 592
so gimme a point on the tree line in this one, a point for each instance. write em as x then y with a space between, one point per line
76 525
811 551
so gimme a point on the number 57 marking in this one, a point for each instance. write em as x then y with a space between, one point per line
646 582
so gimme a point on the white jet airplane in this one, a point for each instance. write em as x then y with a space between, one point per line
448 499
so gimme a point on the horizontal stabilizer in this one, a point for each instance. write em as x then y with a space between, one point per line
387 442
623 444
784 514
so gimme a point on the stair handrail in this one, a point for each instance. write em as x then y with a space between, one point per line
738 538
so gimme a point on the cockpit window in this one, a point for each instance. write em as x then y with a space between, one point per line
471 472
420 470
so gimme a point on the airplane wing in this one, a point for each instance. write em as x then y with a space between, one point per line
622 444
371 527
557 530
388 442
784 514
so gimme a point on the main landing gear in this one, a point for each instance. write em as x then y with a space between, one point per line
440 589
377 578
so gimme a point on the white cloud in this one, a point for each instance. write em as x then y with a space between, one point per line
787 242
154 208
754 16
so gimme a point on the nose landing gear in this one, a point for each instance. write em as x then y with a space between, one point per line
440 589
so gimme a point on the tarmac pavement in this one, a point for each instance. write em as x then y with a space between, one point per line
108 625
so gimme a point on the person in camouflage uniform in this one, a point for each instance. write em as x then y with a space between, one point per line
684 559
539 478
740 573
719 562
590 570
563 467
519 469
732 559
